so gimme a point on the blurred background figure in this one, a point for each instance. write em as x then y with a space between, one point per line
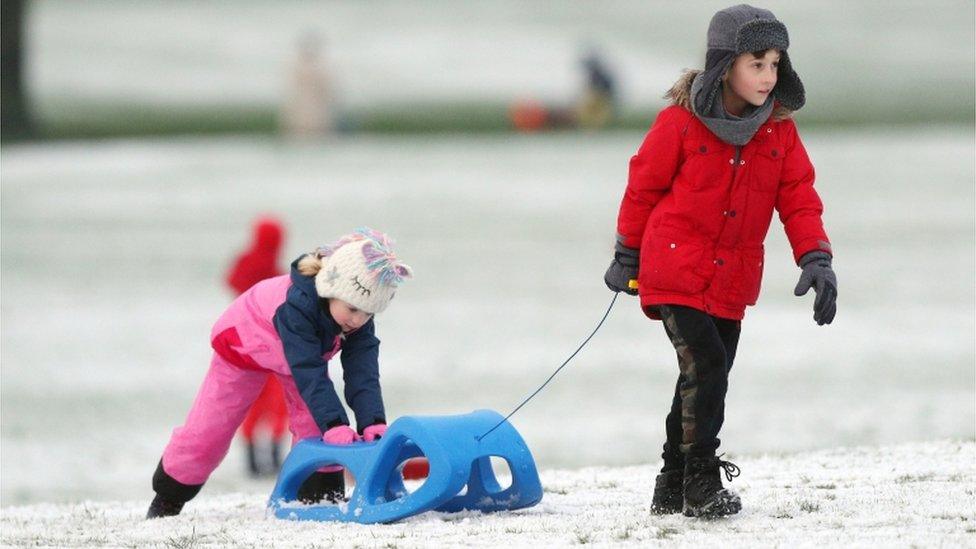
268 417
260 260
597 105
307 108
594 108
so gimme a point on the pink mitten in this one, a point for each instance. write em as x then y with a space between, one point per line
374 432
340 434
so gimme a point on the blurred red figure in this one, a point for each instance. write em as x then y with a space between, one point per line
258 262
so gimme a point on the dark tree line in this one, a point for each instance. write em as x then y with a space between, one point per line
15 119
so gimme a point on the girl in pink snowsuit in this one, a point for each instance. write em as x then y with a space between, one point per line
289 327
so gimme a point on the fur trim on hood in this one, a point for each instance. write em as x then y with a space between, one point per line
680 94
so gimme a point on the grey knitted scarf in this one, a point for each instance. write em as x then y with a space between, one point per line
734 130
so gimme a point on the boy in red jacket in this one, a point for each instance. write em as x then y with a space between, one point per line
699 200
257 263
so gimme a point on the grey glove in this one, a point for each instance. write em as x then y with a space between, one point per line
623 269
818 275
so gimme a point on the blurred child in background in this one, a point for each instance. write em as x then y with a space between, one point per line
598 104
700 196
308 104
289 327
258 262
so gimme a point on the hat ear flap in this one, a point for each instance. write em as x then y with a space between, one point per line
789 88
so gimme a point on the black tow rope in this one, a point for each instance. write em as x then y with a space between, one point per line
587 340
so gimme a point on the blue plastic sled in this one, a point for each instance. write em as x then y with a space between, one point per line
460 476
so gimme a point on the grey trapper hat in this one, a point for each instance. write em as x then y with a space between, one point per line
741 29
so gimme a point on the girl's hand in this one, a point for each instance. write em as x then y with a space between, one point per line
340 434
818 274
374 432
623 269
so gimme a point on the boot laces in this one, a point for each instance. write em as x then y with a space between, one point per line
730 469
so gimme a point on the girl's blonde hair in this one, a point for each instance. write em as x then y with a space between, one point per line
310 264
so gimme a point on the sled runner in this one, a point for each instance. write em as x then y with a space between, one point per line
460 478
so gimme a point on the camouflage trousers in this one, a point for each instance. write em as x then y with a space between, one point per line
705 346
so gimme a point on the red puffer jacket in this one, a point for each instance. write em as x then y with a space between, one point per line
699 210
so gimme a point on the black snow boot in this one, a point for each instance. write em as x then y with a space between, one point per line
162 507
171 494
323 486
704 494
668 492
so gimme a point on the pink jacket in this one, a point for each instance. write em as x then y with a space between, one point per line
245 334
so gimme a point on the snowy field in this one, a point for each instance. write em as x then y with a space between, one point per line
113 255
910 495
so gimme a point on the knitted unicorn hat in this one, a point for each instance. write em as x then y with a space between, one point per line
361 269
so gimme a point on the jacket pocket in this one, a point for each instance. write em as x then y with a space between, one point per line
747 281
767 167
675 264
702 166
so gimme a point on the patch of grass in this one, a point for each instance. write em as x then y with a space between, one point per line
809 506
560 491
666 532
950 516
95 118
903 479
828 486
101 120
185 542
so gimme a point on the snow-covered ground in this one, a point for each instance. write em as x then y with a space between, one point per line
113 253
908 495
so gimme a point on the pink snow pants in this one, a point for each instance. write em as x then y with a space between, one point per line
228 391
